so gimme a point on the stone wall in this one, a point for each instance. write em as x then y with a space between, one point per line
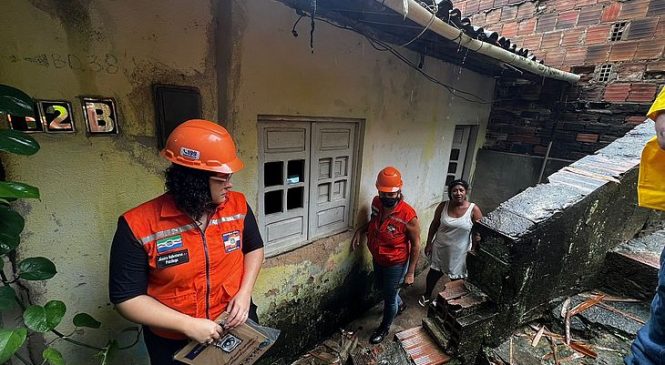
550 241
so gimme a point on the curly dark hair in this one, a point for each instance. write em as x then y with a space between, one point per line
190 189
454 183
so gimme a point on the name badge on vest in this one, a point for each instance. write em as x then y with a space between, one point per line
173 259
169 244
231 241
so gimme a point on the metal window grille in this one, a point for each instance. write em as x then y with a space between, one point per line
618 30
604 73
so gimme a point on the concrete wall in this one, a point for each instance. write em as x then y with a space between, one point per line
408 122
500 176
549 242
54 50
261 70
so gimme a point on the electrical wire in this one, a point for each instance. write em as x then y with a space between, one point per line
384 47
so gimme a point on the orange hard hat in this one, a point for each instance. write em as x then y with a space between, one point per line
389 180
202 145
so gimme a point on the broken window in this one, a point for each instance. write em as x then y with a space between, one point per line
617 31
307 172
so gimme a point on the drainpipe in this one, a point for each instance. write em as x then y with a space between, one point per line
412 10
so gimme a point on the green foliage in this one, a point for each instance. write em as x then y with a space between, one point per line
53 356
36 268
10 341
16 142
85 320
38 319
15 102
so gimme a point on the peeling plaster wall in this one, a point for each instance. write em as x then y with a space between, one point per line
408 123
248 66
64 49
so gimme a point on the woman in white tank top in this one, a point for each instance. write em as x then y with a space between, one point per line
449 238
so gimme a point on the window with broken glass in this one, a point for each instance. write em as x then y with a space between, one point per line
306 176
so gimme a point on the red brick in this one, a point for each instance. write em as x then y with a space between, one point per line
461 6
493 17
509 30
634 9
563 5
585 3
648 50
555 57
656 66
479 18
611 12
597 54
500 3
642 29
546 23
567 19
590 16
532 42
527 26
551 40
635 119
656 8
616 92
624 51
508 13
642 92
526 10
631 71
540 150
587 137
572 38
471 8
485 5
575 56
597 34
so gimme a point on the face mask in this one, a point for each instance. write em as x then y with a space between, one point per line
388 202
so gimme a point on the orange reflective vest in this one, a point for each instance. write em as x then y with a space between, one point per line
194 272
651 182
388 240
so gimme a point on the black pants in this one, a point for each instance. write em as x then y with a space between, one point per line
161 350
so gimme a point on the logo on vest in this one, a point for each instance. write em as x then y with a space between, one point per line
189 153
172 259
231 241
391 229
169 243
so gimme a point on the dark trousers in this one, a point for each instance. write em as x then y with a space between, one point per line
388 279
161 350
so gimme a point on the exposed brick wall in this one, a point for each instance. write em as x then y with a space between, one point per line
574 35
527 117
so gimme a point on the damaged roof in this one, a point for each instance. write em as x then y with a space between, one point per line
436 30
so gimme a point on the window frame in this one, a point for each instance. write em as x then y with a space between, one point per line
270 121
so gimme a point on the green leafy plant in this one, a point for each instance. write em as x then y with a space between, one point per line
36 318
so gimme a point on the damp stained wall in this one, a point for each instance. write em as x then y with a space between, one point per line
407 122
65 49
243 58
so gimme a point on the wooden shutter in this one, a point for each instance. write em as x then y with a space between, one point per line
284 179
333 148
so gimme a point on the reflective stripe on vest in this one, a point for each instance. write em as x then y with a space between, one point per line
196 273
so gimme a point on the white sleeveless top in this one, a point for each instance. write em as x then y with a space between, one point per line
452 242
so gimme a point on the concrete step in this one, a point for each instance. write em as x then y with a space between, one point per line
632 268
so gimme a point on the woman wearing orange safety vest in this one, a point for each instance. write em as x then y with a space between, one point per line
393 238
178 261
649 345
